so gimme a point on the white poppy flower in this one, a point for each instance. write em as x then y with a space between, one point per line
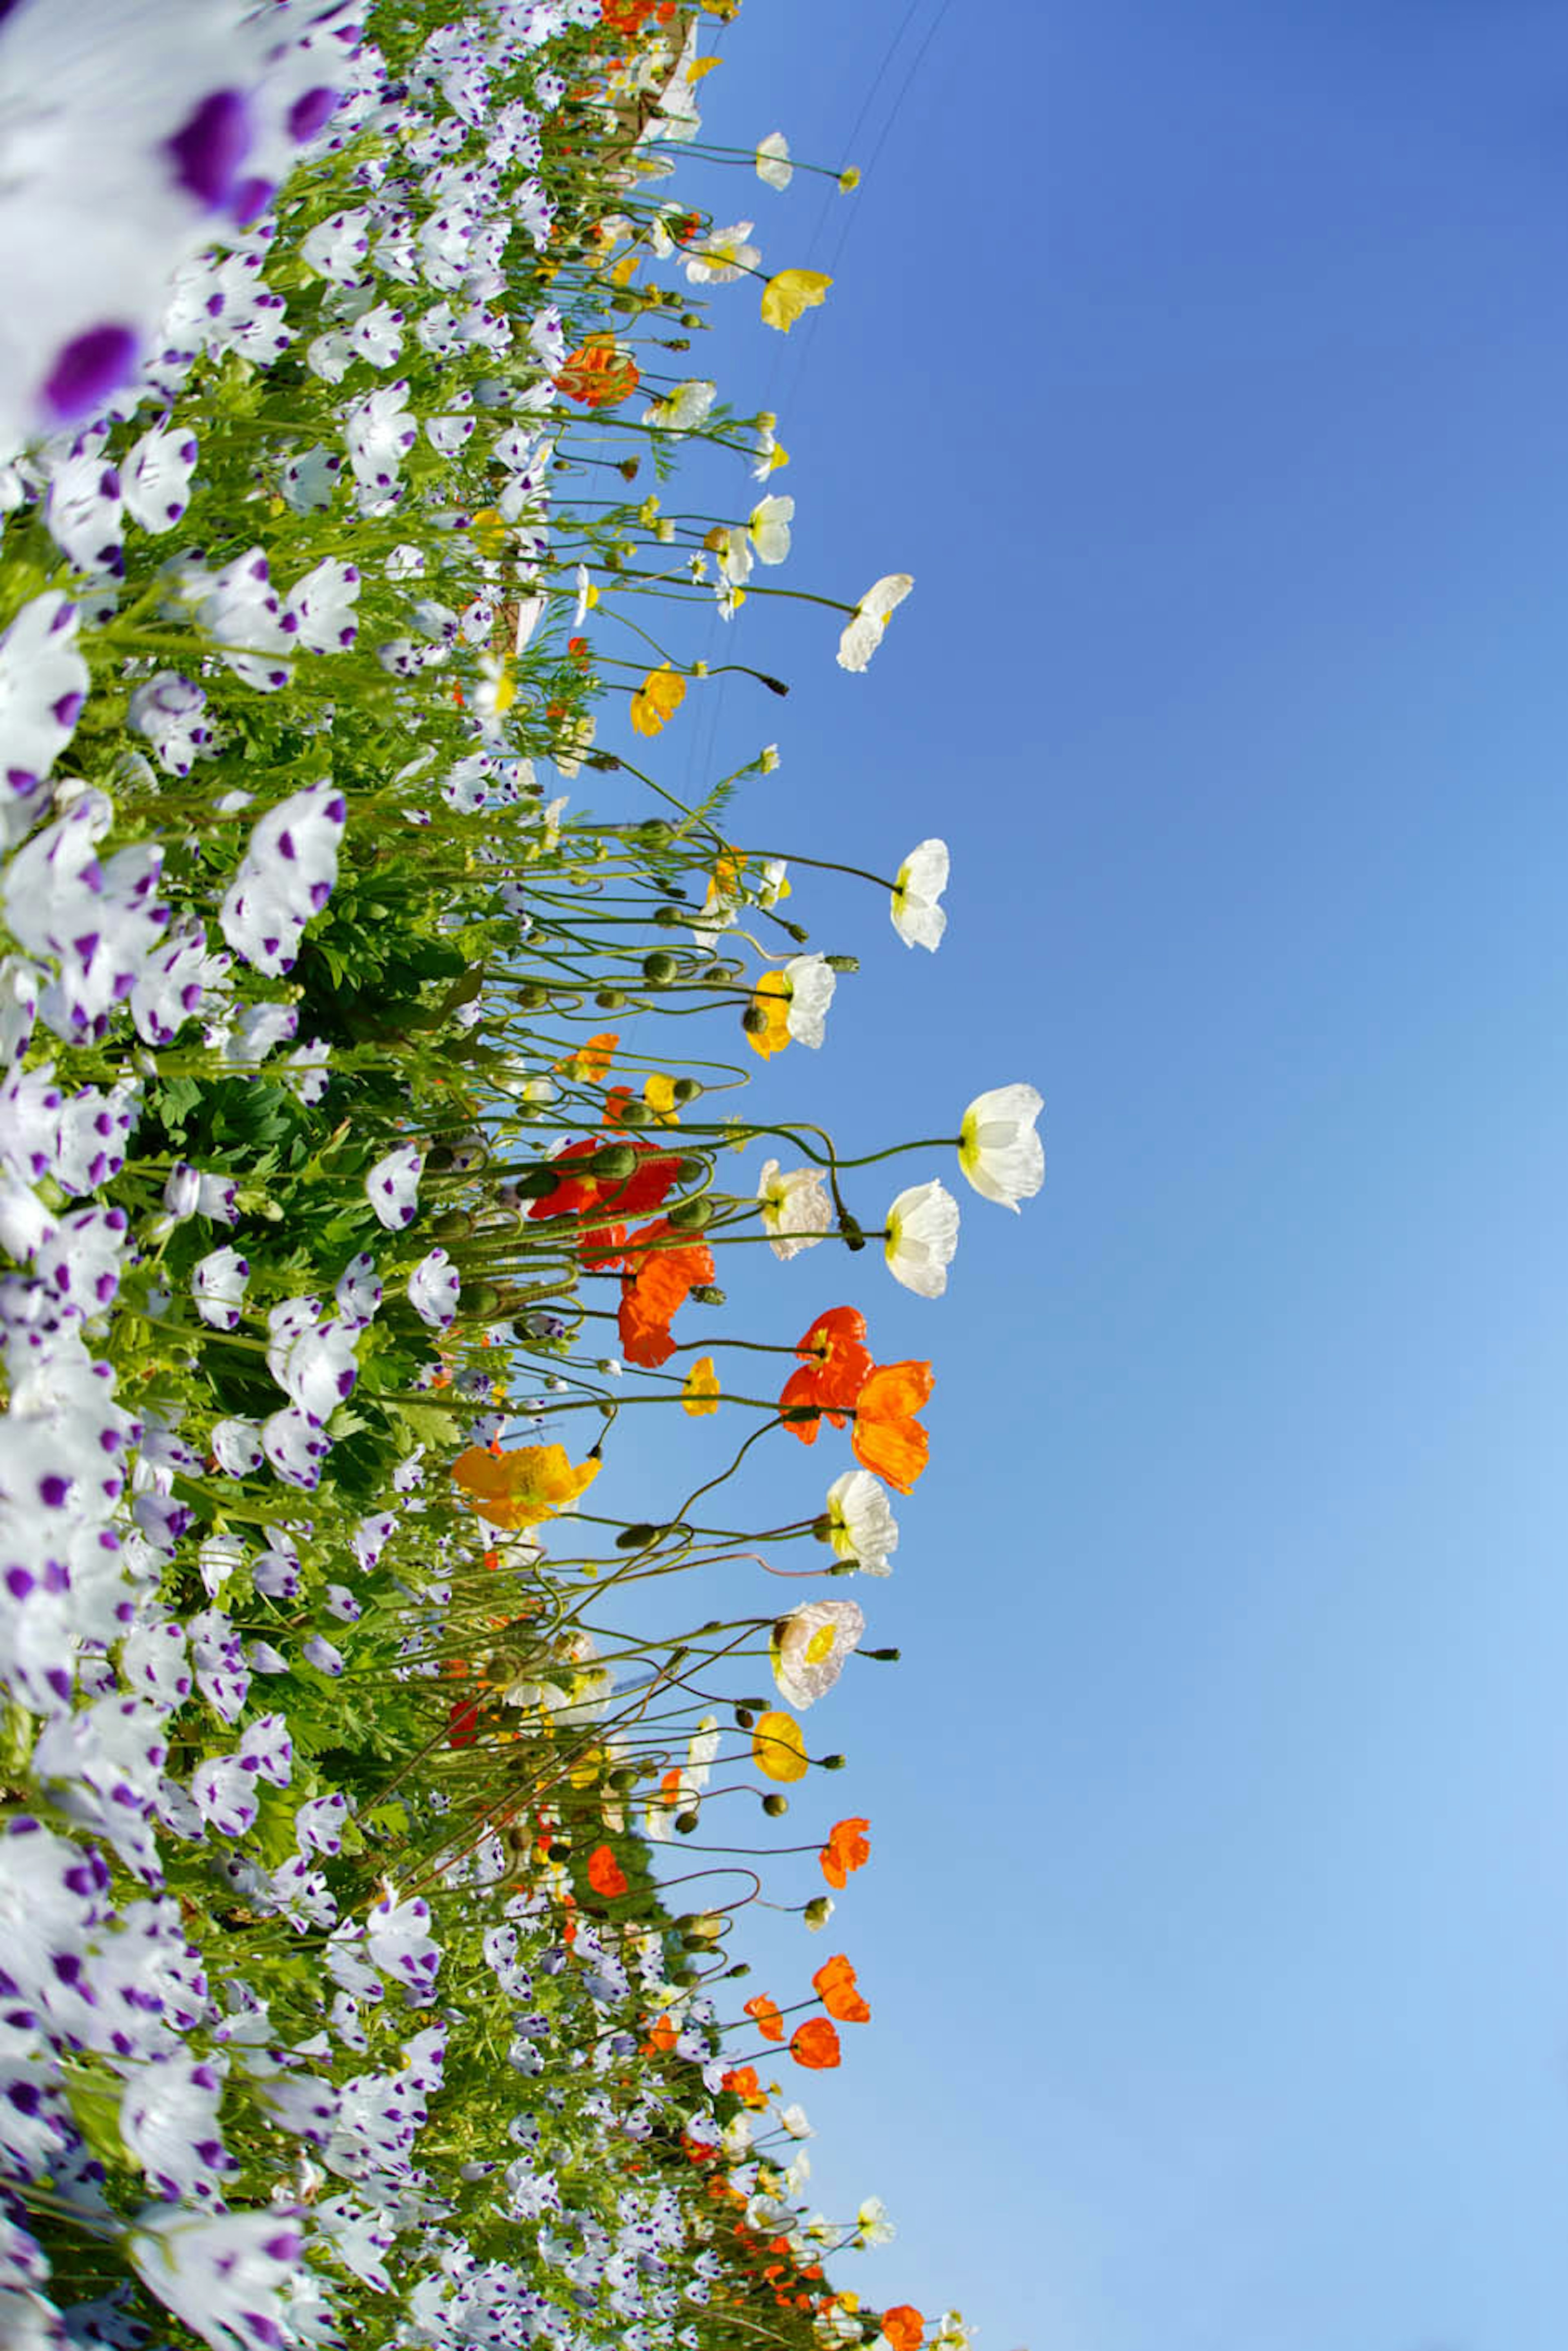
998 1149
863 635
796 1210
922 1236
769 528
862 1527
921 878
774 168
722 255
809 1649
811 981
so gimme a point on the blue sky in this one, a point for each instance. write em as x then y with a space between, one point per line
1207 367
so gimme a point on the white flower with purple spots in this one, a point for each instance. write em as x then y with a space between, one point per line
85 514
294 1446
155 479
434 1289
380 433
392 1185
172 711
320 608
358 1293
222 2273
318 1825
241 612
218 1286
401 1946
236 1448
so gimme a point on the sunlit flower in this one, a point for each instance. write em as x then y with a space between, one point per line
523 1487
722 255
836 1365
904 2327
922 1236
764 2013
657 700
774 168
848 1848
778 1747
796 1210
862 1527
809 1647
861 639
998 1149
815 2044
921 878
791 294
886 1437
700 1389
597 375
605 1874
834 1985
769 528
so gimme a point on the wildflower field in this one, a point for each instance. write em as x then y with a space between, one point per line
372 1141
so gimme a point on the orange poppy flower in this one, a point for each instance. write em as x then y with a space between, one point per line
764 2014
836 1365
661 1280
904 2327
606 1876
834 1985
814 2043
743 2083
589 1064
662 2038
847 1848
886 1437
596 374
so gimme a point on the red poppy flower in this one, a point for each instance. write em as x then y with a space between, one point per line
836 1367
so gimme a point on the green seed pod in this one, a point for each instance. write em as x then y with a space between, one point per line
775 1806
636 1538
660 965
685 1822
635 1114
744 1717
615 1163
610 999
534 1182
833 1763
690 1216
753 1021
685 1090
706 1295
842 963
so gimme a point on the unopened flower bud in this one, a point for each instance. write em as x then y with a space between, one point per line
842 963
774 1805
818 1913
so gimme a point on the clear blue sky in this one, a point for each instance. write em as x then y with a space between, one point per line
1209 368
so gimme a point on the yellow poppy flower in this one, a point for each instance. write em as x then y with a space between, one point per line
778 1748
659 1093
791 293
700 1393
657 700
771 997
520 1488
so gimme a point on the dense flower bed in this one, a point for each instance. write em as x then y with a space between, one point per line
340 1120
